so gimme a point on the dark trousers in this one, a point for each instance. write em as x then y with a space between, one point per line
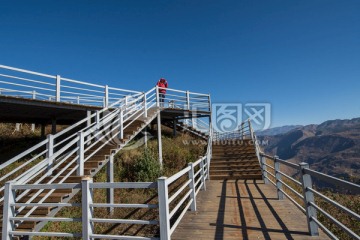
162 98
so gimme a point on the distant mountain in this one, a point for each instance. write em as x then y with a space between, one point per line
277 130
332 147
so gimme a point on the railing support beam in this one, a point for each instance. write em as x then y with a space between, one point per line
81 154
87 213
157 96
58 88
110 179
264 170
278 178
192 186
159 139
174 126
203 174
49 153
9 211
145 106
187 100
106 102
121 124
308 197
163 197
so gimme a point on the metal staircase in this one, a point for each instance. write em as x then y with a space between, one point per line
83 149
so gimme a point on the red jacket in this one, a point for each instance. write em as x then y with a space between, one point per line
163 84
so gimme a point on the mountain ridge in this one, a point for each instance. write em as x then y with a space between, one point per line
332 147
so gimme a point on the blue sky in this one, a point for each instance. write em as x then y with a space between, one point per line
303 57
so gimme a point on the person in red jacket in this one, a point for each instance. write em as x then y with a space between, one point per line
162 84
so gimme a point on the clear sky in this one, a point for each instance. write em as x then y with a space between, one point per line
303 57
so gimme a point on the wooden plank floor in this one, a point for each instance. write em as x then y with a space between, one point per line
243 209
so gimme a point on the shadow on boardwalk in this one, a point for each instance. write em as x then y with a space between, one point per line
243 209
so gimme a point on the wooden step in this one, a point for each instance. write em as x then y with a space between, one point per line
49 199
234 159
70 179
234 172
234 167
40 211
62 191
87 171
246 176
93 163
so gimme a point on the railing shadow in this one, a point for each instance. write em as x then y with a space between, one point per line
248 196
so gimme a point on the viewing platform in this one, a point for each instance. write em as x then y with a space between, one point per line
243 209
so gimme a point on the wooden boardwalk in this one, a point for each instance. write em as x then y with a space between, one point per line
243 209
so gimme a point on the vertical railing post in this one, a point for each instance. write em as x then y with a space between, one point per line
97 119
88 124
87 213
49 153
157 96
278 178
163 197
33 124
264 170
8 211
145 106
208 157
242 130
110 179
81 154
126 101
78 100
159 139
58 88
192 186
121 123
145 137
97 123
203 173
187 100
308 198
106 95
209 101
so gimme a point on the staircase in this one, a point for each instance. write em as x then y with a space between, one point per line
83 148
91 167
235 161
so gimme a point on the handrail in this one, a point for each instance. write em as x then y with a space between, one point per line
104 126
53 88
308 193
133 107
169 210
243 131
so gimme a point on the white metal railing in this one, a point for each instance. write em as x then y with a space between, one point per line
87 204
105 126
73 144
244 131
34 85
173 203
302 192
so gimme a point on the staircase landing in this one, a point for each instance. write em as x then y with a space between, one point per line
243 209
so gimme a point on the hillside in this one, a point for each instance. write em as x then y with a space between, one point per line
277 130
332 147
